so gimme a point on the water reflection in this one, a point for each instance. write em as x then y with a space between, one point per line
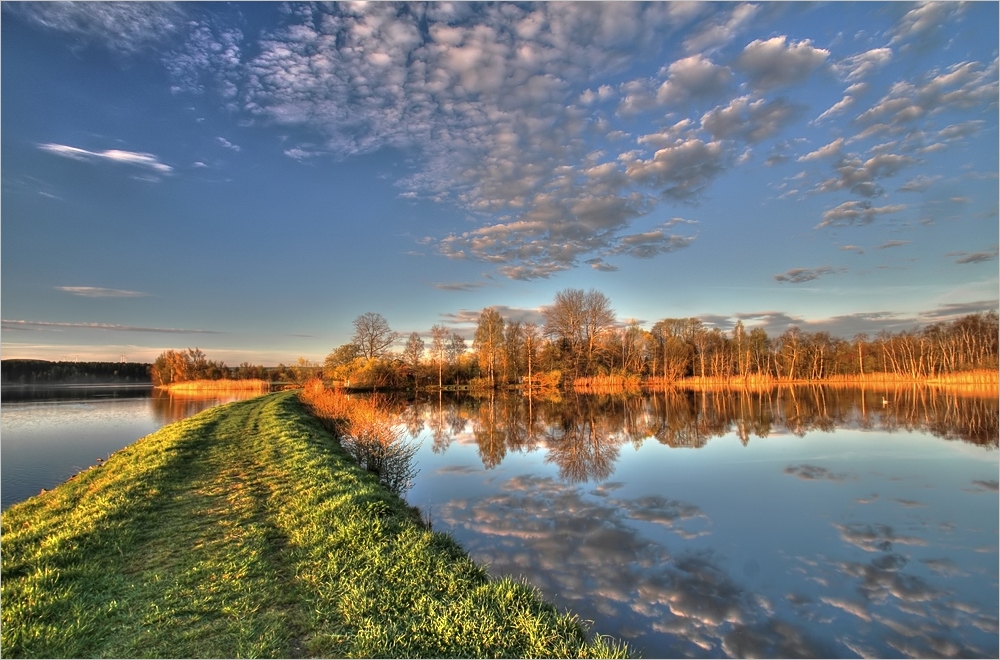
857 528
169 407
584 551
583 433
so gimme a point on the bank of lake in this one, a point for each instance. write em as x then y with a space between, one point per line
246 531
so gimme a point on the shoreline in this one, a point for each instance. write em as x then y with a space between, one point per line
246 530
987 382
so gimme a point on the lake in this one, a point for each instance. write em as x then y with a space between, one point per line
51 433
792 522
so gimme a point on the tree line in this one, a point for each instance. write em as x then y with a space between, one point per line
45 372
192 364
581 340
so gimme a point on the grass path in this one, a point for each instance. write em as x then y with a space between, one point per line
245 531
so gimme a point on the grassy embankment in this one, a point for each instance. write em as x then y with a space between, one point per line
220 385
247 531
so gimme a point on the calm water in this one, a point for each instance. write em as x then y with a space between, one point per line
50 434
805 522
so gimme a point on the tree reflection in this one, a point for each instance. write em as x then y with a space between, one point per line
585 441
584 433
169 407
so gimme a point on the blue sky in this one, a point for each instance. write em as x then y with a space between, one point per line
249 178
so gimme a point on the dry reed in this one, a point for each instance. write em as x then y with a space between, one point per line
367 431
221 385
982 382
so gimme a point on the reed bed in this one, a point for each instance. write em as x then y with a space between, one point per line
981 382
975 377
221 385
367 431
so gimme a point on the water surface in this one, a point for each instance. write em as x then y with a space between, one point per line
51 433
795 522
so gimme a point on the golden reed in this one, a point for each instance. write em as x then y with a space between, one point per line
221 385
982 382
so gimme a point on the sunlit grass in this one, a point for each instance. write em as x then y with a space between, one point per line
247 531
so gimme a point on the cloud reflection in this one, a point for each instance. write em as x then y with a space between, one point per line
813 472
916 618
874 538
584 550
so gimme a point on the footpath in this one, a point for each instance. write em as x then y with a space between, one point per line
246 531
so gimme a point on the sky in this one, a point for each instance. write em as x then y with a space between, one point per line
248 178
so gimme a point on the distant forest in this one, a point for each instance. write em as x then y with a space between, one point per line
171 366
43 372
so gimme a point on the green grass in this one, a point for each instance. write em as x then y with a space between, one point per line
245 531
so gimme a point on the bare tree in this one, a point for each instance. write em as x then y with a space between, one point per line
489 343
413 351
439 349
373 335
456 349
578 318
531 339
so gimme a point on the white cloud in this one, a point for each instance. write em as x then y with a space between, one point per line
964 86
597 263
827 151
892 244
864 64
681 170
649 244
800 275
123 27
459 286
720 29
100 292
856 213
975 257
851 95
637 96
488 96
923 21
498 105
694 78
919 183
227 144
861 177
138 159
749 120
35 326
775 63
961 130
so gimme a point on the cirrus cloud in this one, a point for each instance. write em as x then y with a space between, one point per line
100 292
138 159
123 27
104 327
800 275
